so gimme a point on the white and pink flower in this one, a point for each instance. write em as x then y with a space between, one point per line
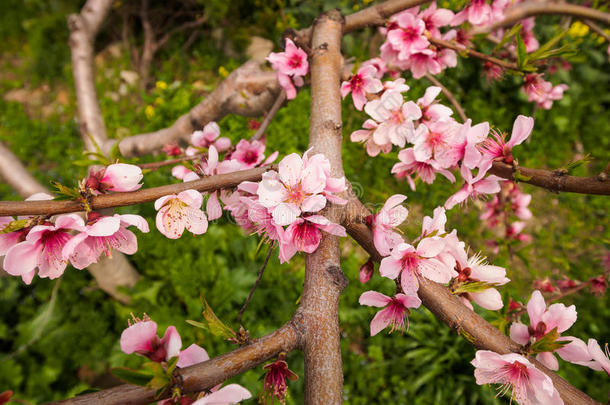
395 118
119 177
474 187
394 313
141 338
363 82
177 212
498 149
290 65
304 235
383 223
209 136
426 170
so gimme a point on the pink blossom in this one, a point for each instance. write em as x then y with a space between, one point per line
172 149
426 171
209 136
396 85
409 263
471 136
299 186
42 249
177 212
360 84
528 36
194 354
366 136
438 140
260 219
498 149
542 321
474 187
395 310
304 235
474 269
249 154
434 18
598 285
395 118
366 271
492 72
229 394
478 13
517 376
408 37
379 65
542 92
180 172
389 217
602 359
276 374
141 338
102 234
116 177
424 61
291 65
432 110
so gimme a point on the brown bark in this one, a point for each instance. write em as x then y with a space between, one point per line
555 181
324 279
449 309
203 376
521 11
17 176
83 29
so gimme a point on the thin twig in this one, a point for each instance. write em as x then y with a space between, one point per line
449 96
258 279
274 109
156 165
471 52
597 29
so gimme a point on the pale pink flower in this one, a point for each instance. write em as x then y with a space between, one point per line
194 354
475 268
229 394
434 18
492 72
528 36
300 185
424 61
542 321
395 312
141 338
409 263
438 140
517 376
177 212
379 65
360 84
116 177
542 92
471 136
478 13
366 136
474 187
408 37
435 224
42 249
304 235
396 85
290 65
426 171
102 234
249 154
395 118
601 359
383 223
497 148
180 172
432 110
207 137
260 219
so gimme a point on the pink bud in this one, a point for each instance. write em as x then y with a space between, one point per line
366 271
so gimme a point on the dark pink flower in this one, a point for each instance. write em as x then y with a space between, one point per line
362 83
395 310
141 338
275 380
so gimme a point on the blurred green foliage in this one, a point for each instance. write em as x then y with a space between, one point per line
51 348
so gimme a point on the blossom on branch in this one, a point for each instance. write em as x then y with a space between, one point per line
363 82
290 65
394 313
176 212
119 177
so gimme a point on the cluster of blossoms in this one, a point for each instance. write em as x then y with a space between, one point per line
290 65
141 338
177 212
541 92
283 207
48 244
597 285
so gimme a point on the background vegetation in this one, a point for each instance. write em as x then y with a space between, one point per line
58 338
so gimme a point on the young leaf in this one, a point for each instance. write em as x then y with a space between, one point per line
521 52
472 287
548 343
71 193
213 324
16 225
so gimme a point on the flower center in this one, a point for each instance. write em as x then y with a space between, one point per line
295 61
250 157
410 261
357 83
296 195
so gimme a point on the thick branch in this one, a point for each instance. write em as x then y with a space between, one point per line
324 279
16 175
471 52
246 91
555 181
83 29
131 198
203 376
449 309
521 11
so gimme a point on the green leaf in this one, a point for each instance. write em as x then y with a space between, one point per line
548 343
135 377
17 225
66 191
577 163
518 176
507 36
115 152
521 52
161 378
213 324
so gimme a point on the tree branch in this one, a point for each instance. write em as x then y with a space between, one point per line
555 181
17 176
475 54
521 11
279 101
103 201
83 29
324 279
450 310
203 376
449 95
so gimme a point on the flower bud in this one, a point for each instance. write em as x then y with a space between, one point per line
366 271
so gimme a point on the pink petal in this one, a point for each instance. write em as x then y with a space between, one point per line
193 354
196 221
549 360
285 214
409 282
291 169
135 220
172 342
575 351
138 337
522 128
22 258
380 321
488 299
105 226
409 301
374 299
192 198
123 177
229 394
128 243
430 247
390 267
535 308
213 208
314 203
560 316
519 333
598 355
